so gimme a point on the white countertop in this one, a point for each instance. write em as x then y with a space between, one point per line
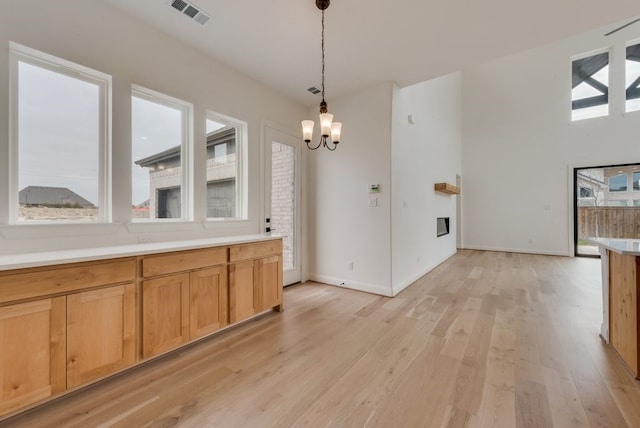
629 247
27 260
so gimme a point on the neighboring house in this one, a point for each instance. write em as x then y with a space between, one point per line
47 196
609 187
591 187
622 186
165 178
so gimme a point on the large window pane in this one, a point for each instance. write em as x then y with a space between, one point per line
58 140
632 77
590 87
224 165
636 180
158 137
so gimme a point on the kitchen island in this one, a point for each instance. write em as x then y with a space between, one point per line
620 292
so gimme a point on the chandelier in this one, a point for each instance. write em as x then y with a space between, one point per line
328 128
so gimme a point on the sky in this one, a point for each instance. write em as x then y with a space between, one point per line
59 133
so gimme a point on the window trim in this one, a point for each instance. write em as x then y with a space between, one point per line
607 50
186 151
241 128
20 53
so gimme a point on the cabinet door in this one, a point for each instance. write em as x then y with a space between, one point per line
208 293
165 313
269 282
32 352
243 293
100 332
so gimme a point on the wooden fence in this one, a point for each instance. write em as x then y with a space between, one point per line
609 222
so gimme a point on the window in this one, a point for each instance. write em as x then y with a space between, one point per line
636 202
60 140
225 142
160 141
633 77
590 87
636 180
617 203
586 192
618 183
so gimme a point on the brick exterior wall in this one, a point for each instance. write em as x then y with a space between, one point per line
283 197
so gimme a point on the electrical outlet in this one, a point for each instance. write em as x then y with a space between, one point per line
144 239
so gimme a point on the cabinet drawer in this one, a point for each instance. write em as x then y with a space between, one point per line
30 283
255 250
182 261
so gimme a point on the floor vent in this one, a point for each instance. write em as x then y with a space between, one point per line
190 10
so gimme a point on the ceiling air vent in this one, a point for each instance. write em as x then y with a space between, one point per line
314 90
190 10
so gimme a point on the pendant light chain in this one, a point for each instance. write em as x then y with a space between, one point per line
330 131
323 55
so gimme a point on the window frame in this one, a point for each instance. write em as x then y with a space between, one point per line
627 45
585 55
186 151
241 128
20 53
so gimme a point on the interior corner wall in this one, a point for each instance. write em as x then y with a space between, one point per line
520 146
426 150
343 228
133 52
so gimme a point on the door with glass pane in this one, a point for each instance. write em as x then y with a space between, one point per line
282 196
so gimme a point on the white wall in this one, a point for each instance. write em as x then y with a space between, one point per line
519 144
423 153
98 36
342 226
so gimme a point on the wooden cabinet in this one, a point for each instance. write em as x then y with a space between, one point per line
32 352
243 291
208 301
255 279
191 301
66 325
100 333
165 313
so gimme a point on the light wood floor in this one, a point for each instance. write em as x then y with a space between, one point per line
486 339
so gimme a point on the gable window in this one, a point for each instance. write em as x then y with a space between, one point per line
60 139
632 77
590 87
225 146
618 183
160 141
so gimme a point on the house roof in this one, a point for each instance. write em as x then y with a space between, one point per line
219 136
46 195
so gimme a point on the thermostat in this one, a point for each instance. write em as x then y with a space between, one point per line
374 188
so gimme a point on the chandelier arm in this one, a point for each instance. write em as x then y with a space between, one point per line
316 147
335 146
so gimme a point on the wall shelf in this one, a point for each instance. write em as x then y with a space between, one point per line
447 188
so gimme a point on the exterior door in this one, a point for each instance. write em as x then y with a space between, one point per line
282 196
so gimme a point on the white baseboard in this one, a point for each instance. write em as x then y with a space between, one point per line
518 250
397 288
352 285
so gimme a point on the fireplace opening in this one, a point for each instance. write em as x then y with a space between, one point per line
443 226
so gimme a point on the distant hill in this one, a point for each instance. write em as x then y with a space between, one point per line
52 196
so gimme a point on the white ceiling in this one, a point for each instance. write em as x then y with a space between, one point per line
277 42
